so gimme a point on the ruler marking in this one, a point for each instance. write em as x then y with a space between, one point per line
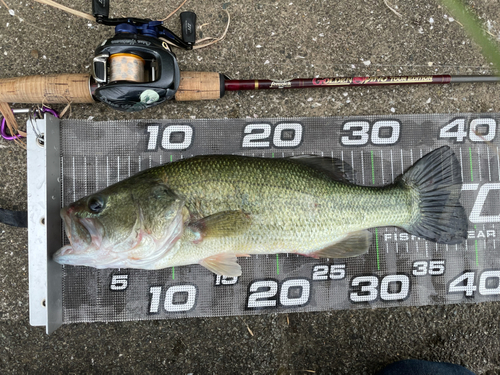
96 174
117 168
373 168
62 180
382 166
402 166
85 174
489 162
411 156
479 163
352 160
462 164
475 247
74 180
107 171
129 165
392 168
470 162
362 168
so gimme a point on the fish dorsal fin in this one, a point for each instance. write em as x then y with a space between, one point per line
336 169
354 244
221 224
224 264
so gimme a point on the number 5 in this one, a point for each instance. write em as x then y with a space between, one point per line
119 282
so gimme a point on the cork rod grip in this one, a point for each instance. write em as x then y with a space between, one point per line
61 88
200 86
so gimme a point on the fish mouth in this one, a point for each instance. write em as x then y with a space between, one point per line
88 247
85 236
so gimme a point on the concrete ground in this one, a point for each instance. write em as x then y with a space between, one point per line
266 39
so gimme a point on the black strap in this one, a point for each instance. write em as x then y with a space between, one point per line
14 218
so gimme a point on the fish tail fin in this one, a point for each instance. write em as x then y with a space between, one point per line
436 182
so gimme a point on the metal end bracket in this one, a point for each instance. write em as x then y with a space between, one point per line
44 223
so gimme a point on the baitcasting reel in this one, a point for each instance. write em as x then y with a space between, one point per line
136 69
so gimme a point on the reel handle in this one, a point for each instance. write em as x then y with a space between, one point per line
60 88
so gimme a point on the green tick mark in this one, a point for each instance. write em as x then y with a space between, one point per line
376 245
277 264
173 273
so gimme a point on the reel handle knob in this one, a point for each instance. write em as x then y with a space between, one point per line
188 23
100 8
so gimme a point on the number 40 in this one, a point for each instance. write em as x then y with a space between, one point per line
458 130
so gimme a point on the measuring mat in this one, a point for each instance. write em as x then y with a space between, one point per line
398 270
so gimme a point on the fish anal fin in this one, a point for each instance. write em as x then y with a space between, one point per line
224 264
354 244
221 224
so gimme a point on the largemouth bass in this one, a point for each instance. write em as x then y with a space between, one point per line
209 210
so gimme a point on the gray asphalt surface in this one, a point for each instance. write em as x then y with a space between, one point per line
267 39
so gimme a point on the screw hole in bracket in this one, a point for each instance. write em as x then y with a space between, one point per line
40 141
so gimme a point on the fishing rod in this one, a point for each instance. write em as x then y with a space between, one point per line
136 69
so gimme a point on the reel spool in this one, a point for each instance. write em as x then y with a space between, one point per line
126 67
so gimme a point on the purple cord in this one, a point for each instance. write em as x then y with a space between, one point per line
8 137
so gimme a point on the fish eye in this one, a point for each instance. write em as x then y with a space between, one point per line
96 204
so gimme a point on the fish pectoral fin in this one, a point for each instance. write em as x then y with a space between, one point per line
221 224
354 244
224 264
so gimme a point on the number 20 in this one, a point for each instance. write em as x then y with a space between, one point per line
257 135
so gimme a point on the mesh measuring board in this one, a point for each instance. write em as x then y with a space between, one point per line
399 269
